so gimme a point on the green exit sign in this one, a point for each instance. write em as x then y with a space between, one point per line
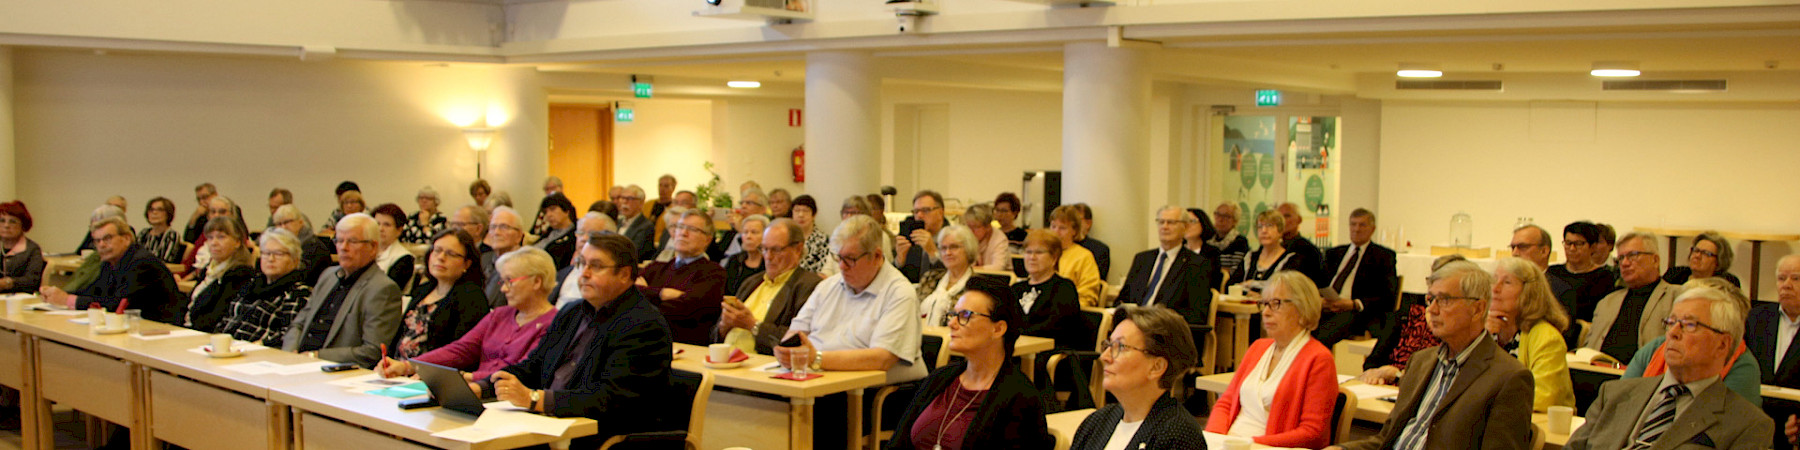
641 90
623 115
1268 97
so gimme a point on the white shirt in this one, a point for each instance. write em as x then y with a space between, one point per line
1122 435
1168 256
1256 393
885 315
1783 338
390 255
571 289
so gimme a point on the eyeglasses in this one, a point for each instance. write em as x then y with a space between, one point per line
630 198
962 316
1432 299
1161 222
504 227
1115 347
593 265
346 241
1708 254
1568 243
687 228
1689 325
276 253
1630 255
847 260
923 210
1272 305
1518 248
447 252
516 280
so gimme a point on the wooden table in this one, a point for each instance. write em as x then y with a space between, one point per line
1377 411
1240 312
1026 348
326 416
801 394
1064 424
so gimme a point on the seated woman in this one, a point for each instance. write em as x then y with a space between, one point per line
349 202
22 268
1709 257
228 269
393 258
1148 352
817 255
559 229
990 251
984 401
1195 239
422 225
160 238
1052 307
1526 319
262 310
747 263
1743 373
1284 393
938 289
1272 257
1407 334
1077 263
509 333
315 253
450 304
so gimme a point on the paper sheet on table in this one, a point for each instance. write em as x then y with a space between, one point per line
21 296
1363 391
171 334
508 421
65 312
367 382
254 368
1216 440
241 347
302 368
1345 378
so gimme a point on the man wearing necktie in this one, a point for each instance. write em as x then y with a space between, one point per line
1687 406
1169 275
1363 278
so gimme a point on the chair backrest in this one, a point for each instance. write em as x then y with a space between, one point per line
1101 319
1581 339
1343 415
697 387
935 350
1001 275
1399 291
1537 436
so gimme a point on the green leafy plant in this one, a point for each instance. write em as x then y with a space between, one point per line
709 193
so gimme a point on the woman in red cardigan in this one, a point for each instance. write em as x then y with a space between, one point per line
1284 393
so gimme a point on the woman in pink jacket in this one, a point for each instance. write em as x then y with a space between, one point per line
1284 392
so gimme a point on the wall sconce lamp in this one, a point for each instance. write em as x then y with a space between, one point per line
479 140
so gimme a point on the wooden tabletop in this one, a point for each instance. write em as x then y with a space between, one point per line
381 414
1670 231
1758 236
1027 345
746 377
1064 424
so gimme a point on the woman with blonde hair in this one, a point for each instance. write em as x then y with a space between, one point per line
1527 321
229 270
1284 393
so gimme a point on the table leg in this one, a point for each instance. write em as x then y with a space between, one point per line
856 417
37 425
800 423
281 426
1755 268
1240 339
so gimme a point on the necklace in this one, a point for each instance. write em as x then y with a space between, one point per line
946 424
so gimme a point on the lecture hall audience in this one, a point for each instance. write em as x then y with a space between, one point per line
126 271
1626 319
1528 323
504 336
689 288
1742 372
353 310
939 288
229 269
1169 275
768 302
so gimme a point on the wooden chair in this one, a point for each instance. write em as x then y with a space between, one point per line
1537 436
1207 344
1343 415
1581 339
935 352
1103 319
1010 279
697 386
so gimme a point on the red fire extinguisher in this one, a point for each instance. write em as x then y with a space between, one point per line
799 160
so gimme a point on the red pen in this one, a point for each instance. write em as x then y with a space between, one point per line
384 350
122 303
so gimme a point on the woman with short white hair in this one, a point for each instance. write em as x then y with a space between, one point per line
505 335
425 223
939 288
262 310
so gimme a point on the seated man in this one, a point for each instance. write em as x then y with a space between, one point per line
605 358
353 310
1770 335
1628 318
633 223
1364 279
1300 245
688 289
1686 406
1532 243
916 249
506 233
127 271
770 301
1466 393
568 278
1170 275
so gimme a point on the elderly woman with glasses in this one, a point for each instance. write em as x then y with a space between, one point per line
1526 320
162 239
262 310
315 253
817 255
22 265
1743 373
226 272
1052 307
422 225
1148 352
747 263
506 335
1709 257
450 304
984 401
939 288
393 258
349 202
1272 257
1284 393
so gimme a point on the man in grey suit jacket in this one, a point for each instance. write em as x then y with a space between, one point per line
1688 406
641 229
1643 303
353 310
783 244
1467 392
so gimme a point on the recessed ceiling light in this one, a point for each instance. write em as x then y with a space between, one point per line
744 84
1615 69
1413 70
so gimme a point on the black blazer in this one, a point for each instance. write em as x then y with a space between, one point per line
316 254
140 277
1760 334
560 249
456 314
1056 314
205 310
1012 415
1376 284
1187 285
622 376
1310 258
1169 426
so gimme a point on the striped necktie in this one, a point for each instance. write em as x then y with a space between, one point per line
1661 418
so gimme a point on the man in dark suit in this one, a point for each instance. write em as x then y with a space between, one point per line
1362 273
1300 245
634 224
353 310
127 271
1770 334
604 358
1688 406
689 288
1465 393
770 300
918 248
1171 276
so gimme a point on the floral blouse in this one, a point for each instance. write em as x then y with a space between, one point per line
414 233
818 254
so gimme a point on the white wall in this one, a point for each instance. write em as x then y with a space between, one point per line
151 125
672 136
754 142
1727 166
995 136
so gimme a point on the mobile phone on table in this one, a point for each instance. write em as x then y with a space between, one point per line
416 403
340 367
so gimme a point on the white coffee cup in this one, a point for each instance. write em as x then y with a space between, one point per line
1560 419
719 353
96 318
1237 443
221 343
115 321
15 306
1236 290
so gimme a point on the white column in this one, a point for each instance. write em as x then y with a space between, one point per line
9 176
843 130
1106 143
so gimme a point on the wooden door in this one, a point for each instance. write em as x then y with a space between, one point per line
581 152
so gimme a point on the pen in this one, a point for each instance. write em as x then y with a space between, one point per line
122 303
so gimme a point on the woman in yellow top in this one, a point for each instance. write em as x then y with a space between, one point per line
1077 263
1526 319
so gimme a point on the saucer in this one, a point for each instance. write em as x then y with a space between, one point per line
111 330
713 365
224 355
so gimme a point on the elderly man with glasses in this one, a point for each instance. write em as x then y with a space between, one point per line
768 303
1627 318
637 227
353 311
506 233
129 275
917 247
1532 243
689 288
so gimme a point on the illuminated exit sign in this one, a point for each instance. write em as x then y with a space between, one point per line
1268 97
